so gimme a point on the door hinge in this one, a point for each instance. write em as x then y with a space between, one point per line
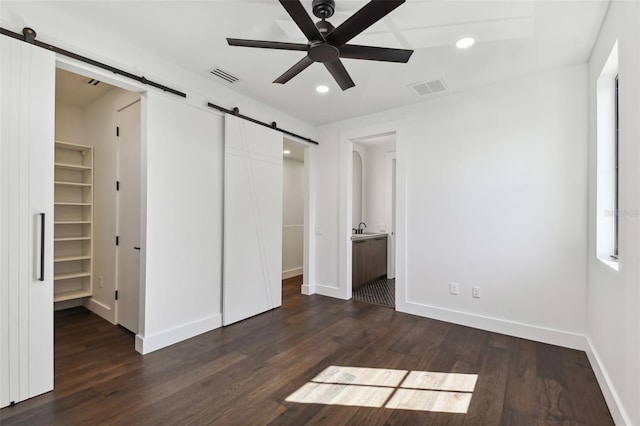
117 131
116 294
117 185
117 240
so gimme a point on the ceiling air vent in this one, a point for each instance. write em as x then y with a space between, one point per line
225 75
425 88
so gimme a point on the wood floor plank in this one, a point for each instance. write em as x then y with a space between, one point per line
581 379
244 374
520 402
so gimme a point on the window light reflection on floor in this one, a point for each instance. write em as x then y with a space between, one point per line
389 388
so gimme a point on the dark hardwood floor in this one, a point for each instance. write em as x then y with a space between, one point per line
243 374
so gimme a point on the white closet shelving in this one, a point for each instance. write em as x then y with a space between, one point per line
73 221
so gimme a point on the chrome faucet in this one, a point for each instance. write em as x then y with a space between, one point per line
360 225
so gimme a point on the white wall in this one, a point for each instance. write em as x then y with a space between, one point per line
613 303
374 212
357 192
182 156
70 123
292 217
495 188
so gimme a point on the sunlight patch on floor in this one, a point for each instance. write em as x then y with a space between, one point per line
361 376
389 388
334 394
427 400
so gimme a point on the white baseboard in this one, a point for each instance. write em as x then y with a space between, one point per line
620 416
496 325
308 289
329 291
150 343
102 310
290 273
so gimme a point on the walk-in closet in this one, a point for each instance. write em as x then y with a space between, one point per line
97 199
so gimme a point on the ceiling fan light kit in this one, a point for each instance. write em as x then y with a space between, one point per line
465 43
328 44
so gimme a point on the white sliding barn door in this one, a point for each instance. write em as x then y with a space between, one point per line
252 220
27 93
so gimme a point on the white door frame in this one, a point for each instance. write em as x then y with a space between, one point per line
107 77
390 162
346 208
308 264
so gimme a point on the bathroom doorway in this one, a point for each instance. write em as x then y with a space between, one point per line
373 219
293 202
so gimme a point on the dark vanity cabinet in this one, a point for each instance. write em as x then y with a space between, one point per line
369 260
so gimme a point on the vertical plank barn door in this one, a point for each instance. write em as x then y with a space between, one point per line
252 270
128 258
27 84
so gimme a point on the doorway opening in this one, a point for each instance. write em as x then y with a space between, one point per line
96 201
293 215
373 219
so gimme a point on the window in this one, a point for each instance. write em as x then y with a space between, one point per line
607 148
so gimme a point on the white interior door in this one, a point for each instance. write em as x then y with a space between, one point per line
128 249
252 220
27 87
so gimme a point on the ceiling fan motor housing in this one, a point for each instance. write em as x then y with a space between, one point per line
323 9
319 51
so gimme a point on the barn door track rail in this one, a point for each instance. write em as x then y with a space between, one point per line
29 36
236 111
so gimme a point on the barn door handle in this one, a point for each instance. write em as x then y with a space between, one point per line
42 222
136 248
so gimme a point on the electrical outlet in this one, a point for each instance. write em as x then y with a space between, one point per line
100 281
476 292
453 288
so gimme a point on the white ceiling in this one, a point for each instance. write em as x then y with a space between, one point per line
514 38
75 89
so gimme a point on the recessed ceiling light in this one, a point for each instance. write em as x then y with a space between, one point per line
286 152
466 42
322 89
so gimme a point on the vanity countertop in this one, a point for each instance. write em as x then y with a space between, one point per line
368 235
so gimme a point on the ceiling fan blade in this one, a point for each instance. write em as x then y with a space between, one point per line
370 13
302 19
294 70
371 53
340 74
266 44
